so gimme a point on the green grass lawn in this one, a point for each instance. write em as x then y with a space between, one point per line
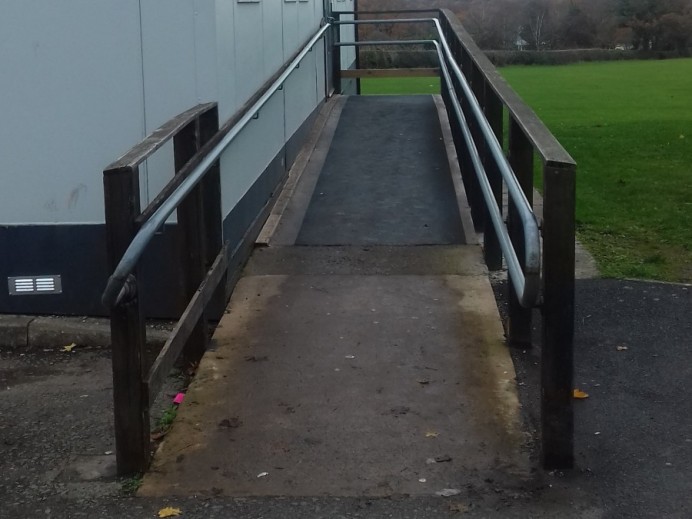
409 85
629 127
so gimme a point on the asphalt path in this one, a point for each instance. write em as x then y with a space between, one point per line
633 434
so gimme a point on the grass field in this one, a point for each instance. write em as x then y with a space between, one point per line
411 85
629 127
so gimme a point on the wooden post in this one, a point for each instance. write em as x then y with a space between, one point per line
474 193
192 233
356 36
475 77
336 58
494 113
557 356
211 193
521 160
128 335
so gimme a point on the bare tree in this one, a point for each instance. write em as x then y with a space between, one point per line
537 23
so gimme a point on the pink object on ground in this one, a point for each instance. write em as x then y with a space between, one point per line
179 398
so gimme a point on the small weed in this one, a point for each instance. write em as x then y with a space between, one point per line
130 486
167 417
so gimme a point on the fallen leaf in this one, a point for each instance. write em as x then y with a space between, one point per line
169 511
431 434
622 348
156 436
423 381
579 394
443 459
262 474
69 347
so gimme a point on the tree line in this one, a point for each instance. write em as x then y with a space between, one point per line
647 25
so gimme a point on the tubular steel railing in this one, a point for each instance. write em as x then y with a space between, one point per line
525 274
476 98
195 193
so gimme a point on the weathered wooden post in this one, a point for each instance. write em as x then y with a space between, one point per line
336 56
192 236
557 359
212 222
128 334
494 114
521 160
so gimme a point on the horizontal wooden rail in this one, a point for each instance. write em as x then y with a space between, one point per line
390 72
183 329
545 143
154 141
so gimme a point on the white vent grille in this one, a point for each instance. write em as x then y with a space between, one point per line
34 285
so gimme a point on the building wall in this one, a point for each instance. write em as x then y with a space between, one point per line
84 80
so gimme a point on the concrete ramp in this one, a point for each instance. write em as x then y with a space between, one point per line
351 370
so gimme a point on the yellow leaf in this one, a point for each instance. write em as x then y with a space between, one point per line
431 434
579 394
69 347
170 512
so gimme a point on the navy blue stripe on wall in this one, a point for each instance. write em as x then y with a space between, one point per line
78 254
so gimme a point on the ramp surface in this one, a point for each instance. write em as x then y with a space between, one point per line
360 369
386 178
347 385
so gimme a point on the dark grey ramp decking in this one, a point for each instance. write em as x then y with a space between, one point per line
386 179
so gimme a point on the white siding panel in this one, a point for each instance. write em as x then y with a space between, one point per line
292 40
251 152
225 56
307 25
71 101
205 50
346 33
320 65
249 54
273 37
301 98
170 84
168 37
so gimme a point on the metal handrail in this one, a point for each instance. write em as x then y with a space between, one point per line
116 287
526 280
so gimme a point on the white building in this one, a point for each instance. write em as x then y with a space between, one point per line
84 80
